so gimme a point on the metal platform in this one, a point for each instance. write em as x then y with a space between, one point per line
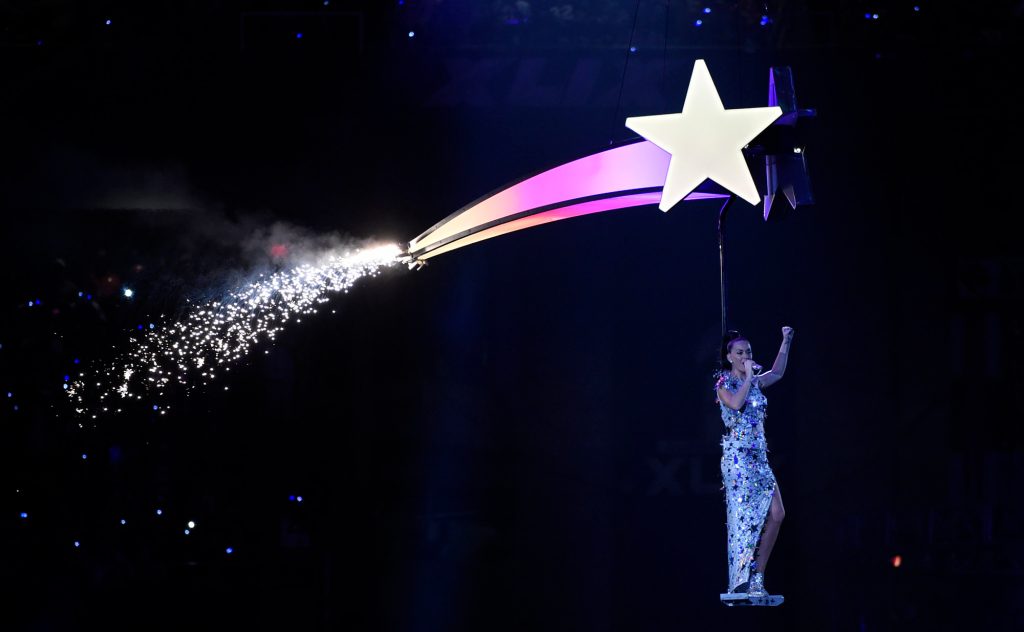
743 599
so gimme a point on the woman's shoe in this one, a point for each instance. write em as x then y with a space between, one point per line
756 588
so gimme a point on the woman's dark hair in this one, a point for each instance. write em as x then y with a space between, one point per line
730 337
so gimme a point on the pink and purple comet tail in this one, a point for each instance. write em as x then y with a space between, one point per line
622 177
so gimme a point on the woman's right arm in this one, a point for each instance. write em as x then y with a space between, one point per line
735 400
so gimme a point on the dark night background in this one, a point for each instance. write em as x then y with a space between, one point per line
522 435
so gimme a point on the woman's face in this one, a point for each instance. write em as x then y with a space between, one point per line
739 350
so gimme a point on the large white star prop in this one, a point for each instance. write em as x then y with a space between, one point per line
705 140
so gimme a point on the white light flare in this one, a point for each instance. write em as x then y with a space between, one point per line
212 336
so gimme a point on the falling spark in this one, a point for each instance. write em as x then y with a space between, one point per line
212 336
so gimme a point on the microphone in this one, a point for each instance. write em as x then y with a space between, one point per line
757 367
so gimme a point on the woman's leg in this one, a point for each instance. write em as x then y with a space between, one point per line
771 530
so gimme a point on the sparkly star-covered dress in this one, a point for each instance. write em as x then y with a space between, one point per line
748 480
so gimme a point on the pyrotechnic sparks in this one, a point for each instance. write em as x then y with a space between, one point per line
211 337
